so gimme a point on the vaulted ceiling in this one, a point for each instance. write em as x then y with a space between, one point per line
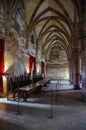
52 22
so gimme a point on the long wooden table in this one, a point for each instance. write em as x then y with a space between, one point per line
34 87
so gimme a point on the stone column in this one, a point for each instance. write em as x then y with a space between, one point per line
76 56
83 63
71 69
82 32
75 52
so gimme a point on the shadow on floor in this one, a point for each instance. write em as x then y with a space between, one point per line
5 125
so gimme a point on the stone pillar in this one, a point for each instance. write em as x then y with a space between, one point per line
83 63
76 56
76 52
82 32
71 69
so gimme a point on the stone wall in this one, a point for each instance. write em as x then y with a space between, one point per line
56 72
15 60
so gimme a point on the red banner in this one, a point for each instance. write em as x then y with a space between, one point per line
1 64
42 69
32 63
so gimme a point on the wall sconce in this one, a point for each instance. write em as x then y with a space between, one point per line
27 69
6 67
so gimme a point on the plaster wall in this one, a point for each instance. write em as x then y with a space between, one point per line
57 72
16 62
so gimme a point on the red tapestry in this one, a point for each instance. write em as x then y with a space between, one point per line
32 61
1 64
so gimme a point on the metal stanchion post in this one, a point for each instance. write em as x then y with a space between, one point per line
60 81
51 110
58 86
56 91
18 107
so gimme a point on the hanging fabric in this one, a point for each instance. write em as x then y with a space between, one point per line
32 65
32 60
1 64
32 71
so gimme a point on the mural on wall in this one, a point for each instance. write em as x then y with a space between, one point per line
14 58
15 47
32 44
15 40
10 54
39 53
19 68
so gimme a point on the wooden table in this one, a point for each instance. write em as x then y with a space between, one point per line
31 88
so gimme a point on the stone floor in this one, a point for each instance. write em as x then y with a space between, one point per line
53 109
